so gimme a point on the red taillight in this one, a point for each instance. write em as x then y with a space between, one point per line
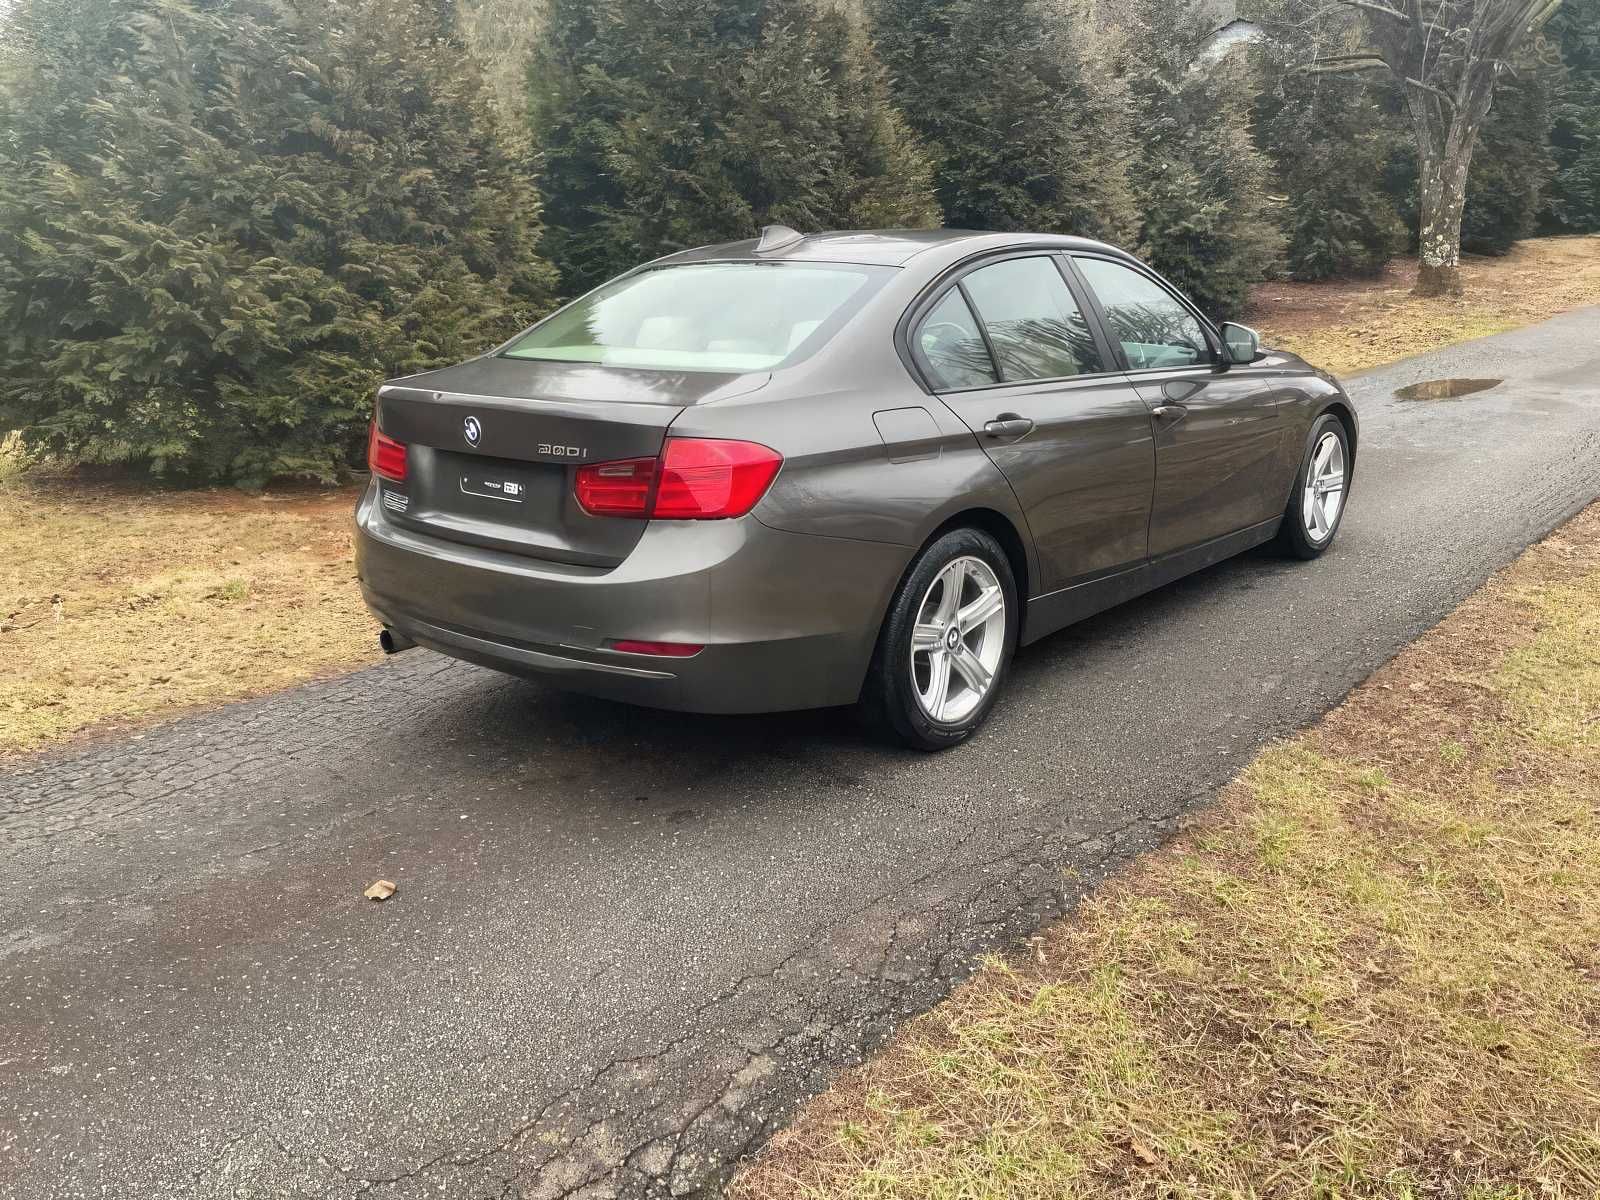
385 456
658 649
702 479
695 479
617 489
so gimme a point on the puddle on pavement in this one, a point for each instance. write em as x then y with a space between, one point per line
1446 389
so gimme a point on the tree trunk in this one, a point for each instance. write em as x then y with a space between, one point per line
1444 196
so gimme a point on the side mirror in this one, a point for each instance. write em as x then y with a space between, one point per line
1240 344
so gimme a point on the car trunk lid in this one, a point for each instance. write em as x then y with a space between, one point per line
492 447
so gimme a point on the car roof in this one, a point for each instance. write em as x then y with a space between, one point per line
883 247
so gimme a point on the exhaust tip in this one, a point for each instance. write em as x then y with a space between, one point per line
394 643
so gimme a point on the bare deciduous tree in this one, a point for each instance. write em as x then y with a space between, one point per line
1446 55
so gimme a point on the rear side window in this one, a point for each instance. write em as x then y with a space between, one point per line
728 317
1032 320
953 347
1152 324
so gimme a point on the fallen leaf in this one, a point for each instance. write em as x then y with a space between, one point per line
380 890
1142 1152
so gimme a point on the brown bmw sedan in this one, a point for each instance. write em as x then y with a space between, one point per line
844 468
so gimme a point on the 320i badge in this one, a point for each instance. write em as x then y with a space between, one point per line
845 468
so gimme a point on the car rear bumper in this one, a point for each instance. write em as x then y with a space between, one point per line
787 620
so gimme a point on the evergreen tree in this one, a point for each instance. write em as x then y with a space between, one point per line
1572 202
503 36
1207 220
1027 132
221 223
1329 137
672 123
1512 166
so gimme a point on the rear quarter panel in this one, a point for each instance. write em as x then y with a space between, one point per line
893 481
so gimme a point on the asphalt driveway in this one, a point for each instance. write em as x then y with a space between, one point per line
626 943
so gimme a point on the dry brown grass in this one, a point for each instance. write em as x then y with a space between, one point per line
1373 969
1352 326
118 603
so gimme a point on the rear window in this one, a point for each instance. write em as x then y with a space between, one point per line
728 317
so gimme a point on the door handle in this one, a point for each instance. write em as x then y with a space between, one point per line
1008 425
1169 412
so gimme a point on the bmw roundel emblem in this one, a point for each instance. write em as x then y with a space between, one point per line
472 430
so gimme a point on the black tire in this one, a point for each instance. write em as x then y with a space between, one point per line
1296 537
889 699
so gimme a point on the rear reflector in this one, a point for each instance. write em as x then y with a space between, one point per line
658 649
385 456
695 479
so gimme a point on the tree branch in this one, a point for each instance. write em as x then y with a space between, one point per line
1372 6
1428 87
1376 64
1517 19
1541 15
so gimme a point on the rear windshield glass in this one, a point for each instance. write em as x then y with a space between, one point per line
706 316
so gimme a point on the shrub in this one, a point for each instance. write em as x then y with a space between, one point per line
222 223
1329 137
1025 130
1572 201
1207 219
1511 167
667 124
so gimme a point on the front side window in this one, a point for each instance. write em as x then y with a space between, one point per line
1032 320
953 347
724 317
1154 327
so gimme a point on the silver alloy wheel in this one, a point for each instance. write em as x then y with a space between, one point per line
958 639
1324 494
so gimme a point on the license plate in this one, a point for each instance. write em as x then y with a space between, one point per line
493 487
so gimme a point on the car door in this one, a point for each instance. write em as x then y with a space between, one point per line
1218 430
1009 349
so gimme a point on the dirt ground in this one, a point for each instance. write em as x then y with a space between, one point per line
1350 326
121 603
1370 970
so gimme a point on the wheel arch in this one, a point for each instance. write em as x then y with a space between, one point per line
878 695
1340 408
1000 527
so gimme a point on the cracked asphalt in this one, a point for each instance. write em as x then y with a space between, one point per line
626 944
